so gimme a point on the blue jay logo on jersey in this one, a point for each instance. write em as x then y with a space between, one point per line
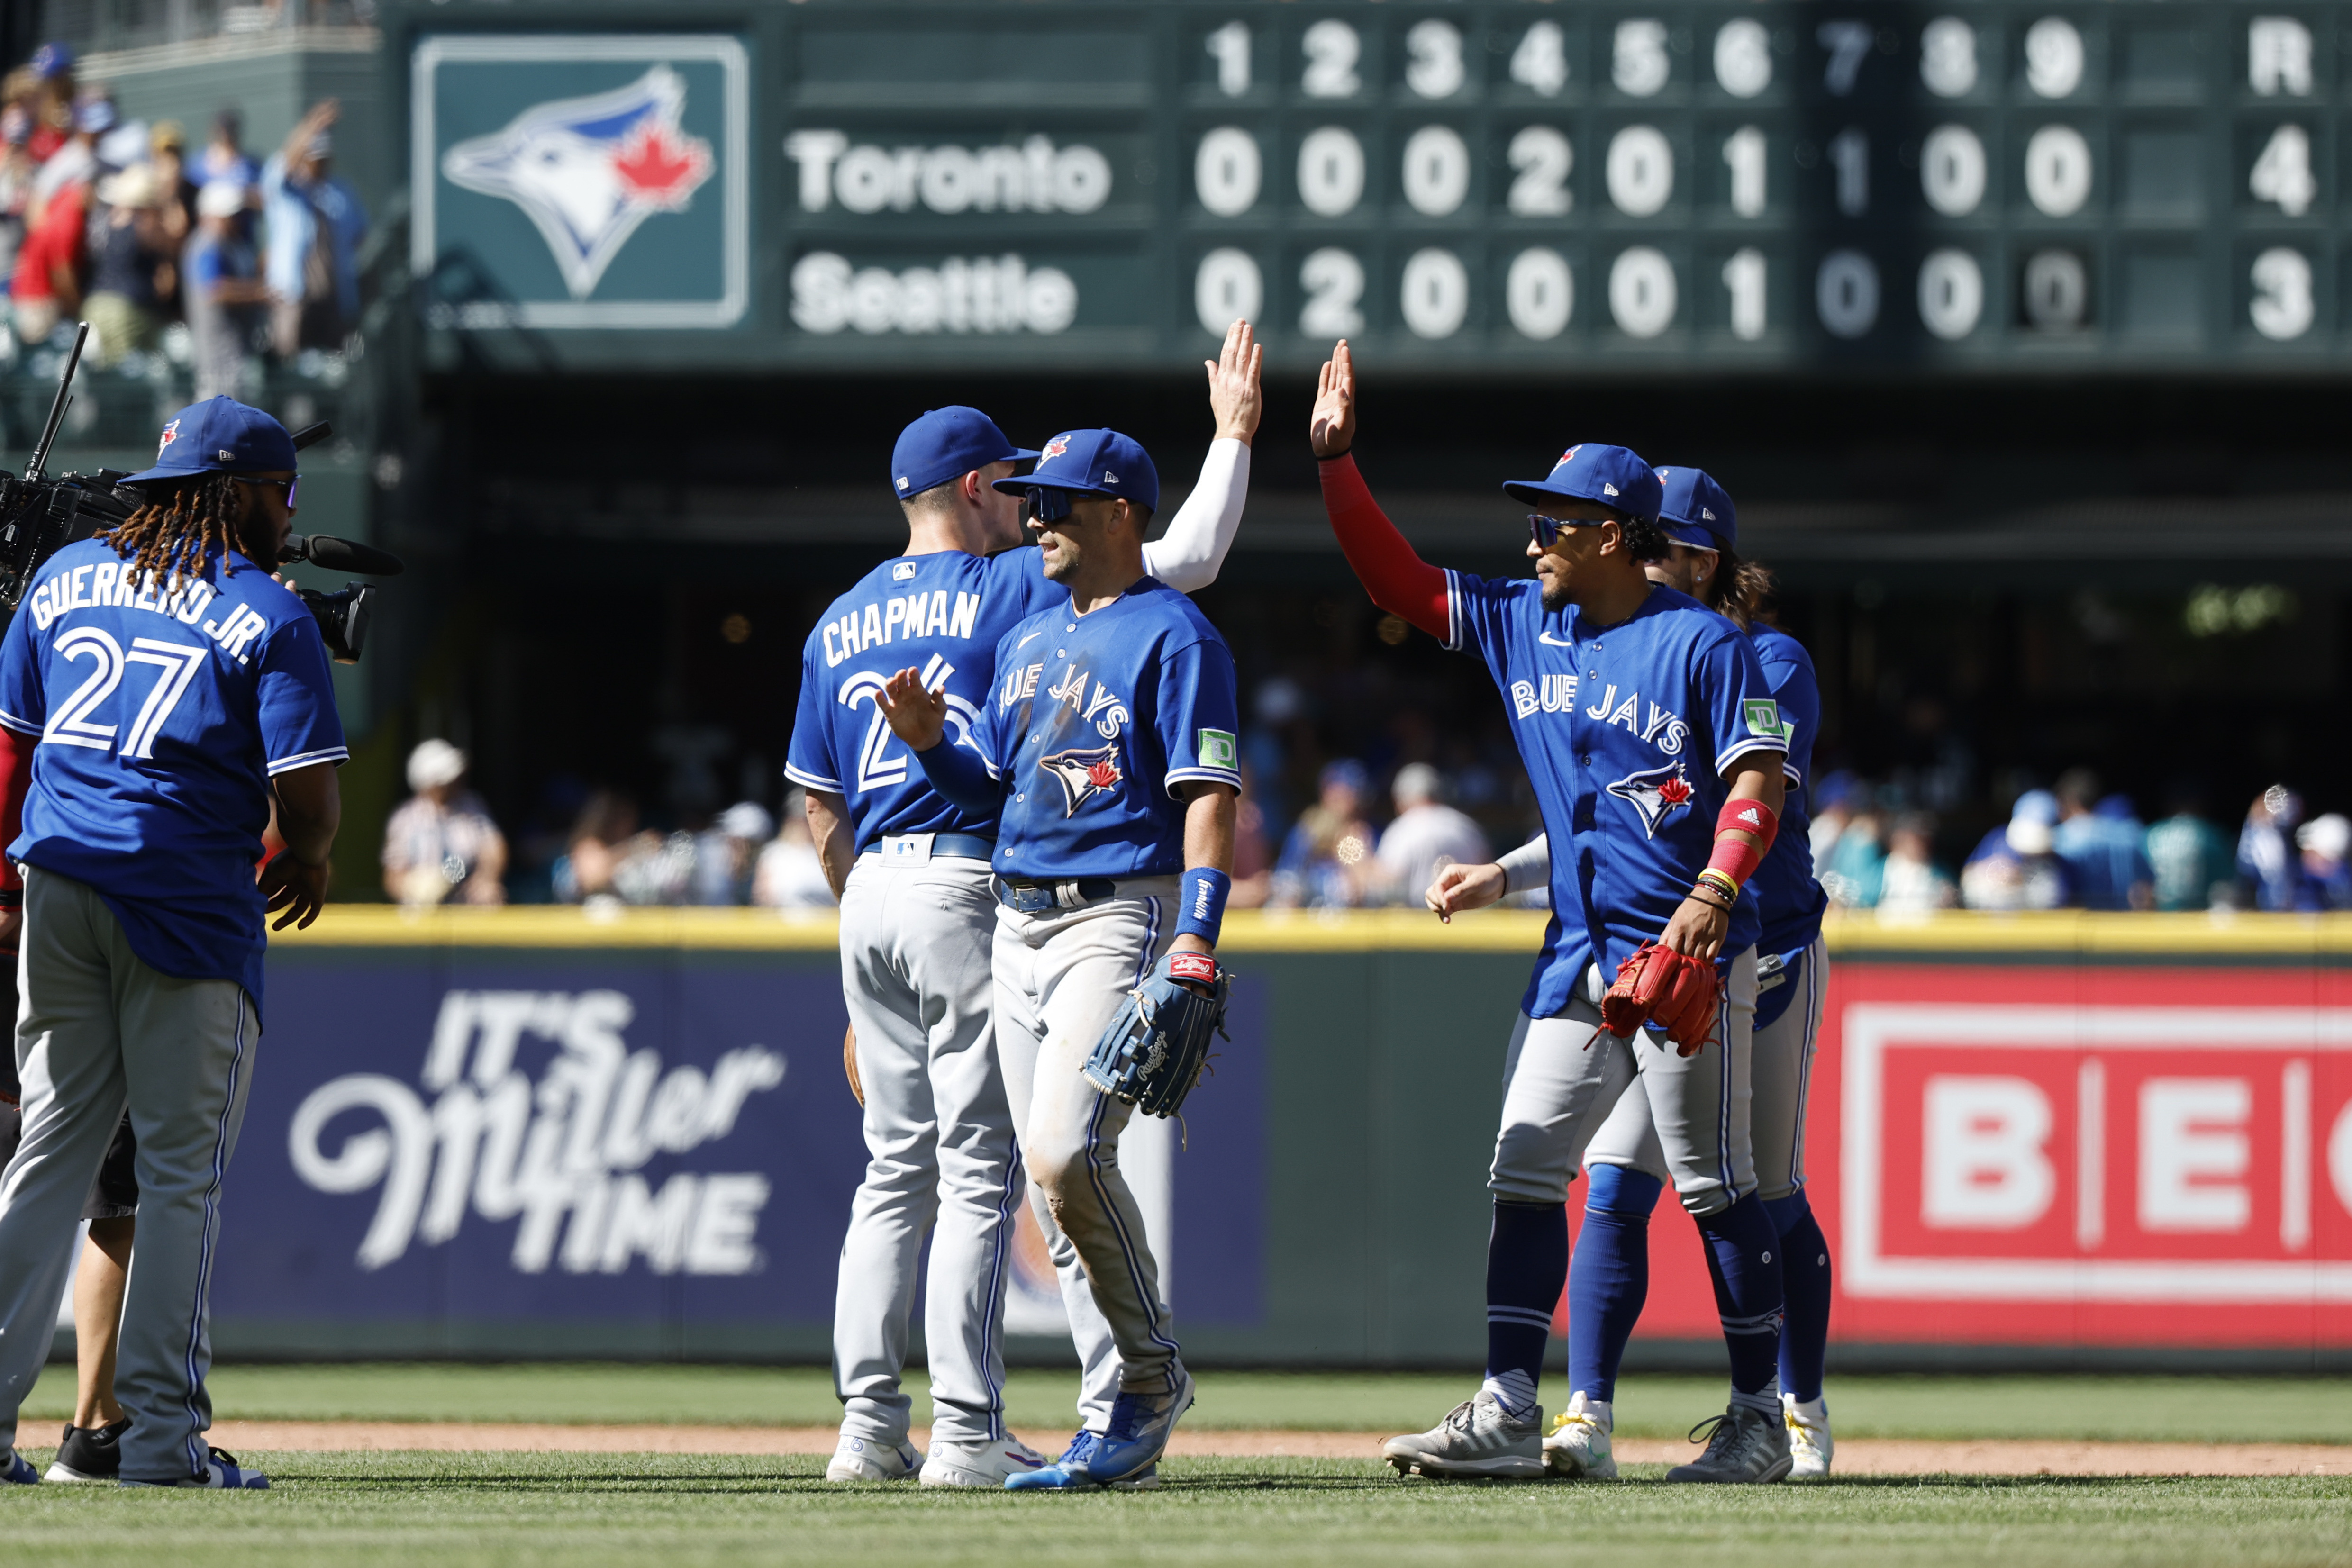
1083 775
1656 793
589 171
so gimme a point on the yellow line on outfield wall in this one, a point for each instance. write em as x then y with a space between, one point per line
1320 931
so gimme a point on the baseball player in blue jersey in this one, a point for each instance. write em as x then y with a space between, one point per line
175 689
911 868
1655 751
1108 747
1609 1276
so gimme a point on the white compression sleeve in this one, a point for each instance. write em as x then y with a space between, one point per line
1188 557
1527 866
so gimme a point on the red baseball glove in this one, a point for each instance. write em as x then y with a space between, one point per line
1657 985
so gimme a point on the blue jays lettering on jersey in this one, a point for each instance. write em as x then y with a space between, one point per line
1790 902
1094 720
943 614
159 715
1625 731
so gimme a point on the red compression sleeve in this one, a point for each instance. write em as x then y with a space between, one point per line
16 766
1734 858
1398 581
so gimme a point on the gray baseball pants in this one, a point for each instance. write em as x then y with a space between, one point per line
96 1028
915 936
1060 977
1780 1075
1563 1079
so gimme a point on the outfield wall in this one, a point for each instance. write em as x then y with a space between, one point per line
528 1133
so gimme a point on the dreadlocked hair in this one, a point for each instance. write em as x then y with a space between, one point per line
1738 588
188 528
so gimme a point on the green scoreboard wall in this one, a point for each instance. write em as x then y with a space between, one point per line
1514 189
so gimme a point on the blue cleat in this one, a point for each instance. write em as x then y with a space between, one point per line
221 1473
18 1472
1140 1426
1067 1473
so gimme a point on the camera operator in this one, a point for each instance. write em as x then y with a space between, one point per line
160 689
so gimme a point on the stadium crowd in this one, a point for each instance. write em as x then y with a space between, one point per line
207 255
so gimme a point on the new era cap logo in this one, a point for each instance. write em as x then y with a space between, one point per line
902 481
226 456
1606 489
1706 515
1108 478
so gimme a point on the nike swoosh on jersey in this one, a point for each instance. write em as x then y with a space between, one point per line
1549 641
1029 639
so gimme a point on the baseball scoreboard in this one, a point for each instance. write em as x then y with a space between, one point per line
1524 188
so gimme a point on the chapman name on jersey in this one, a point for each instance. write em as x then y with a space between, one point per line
1097 720
160 708
1626 731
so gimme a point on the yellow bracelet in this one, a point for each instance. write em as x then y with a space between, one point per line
1721 883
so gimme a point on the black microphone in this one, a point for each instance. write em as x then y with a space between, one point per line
342 555
310 435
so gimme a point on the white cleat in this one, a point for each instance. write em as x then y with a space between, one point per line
1478 1440
1577 1449
979 1464
867 1460
1810 1446
1745 1448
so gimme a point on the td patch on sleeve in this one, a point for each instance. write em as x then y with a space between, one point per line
1217 749
1764 718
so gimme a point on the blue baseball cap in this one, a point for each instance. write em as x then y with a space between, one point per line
1097 462
219 435
50 59
1694 511
947 443
1610 475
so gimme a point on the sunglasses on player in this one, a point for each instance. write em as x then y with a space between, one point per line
1544 530
289 485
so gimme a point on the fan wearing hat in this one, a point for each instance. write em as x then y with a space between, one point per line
442 845
160 693
132 267
1106 752
913 870
1607 1277
1656 754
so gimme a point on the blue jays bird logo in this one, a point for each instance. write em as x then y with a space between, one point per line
1054 448
1083 775
171 433
1656 793
589 171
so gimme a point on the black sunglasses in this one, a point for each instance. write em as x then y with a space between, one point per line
289 485
1048 504
1544 530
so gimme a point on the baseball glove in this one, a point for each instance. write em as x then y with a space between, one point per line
1659 985
1152 1053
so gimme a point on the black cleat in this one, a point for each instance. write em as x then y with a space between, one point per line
90 1453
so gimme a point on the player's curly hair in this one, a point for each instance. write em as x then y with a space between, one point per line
1643 536
1739 588
188 527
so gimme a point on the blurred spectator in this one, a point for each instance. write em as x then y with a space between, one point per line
224 157
16 171
441 840
48 89
1851 873
724 853
1426 836
131 270
316 224
2188 858
45 286
1253 860
2100 843
1326 862
791 873
175 193
2016 867
1832 802
222 289
2325 841
1909 881
2266 853
584 874
76 161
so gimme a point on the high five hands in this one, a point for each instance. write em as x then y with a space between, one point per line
915 716
1332 426
1235 395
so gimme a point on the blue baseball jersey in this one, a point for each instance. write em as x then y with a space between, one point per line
1095 719
1625 731
943 614
162 718
1789 899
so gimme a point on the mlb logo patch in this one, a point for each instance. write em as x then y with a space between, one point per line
903 572
578 180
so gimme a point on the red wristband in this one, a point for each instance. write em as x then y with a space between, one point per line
1198 968
1735 858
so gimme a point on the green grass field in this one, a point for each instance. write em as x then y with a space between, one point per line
678 1511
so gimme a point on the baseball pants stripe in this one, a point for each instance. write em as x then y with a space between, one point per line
1564 1082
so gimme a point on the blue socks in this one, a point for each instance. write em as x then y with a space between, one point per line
1608 1280
1805 1281
1743 1256
1526 1267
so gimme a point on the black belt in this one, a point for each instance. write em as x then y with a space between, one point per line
1027 896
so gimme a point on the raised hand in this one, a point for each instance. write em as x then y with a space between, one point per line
1235 395
1332 426
1460 887
917 716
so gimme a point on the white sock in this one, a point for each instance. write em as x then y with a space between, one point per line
1516 1390
1812 1412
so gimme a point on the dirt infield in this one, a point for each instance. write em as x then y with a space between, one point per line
1864 1457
